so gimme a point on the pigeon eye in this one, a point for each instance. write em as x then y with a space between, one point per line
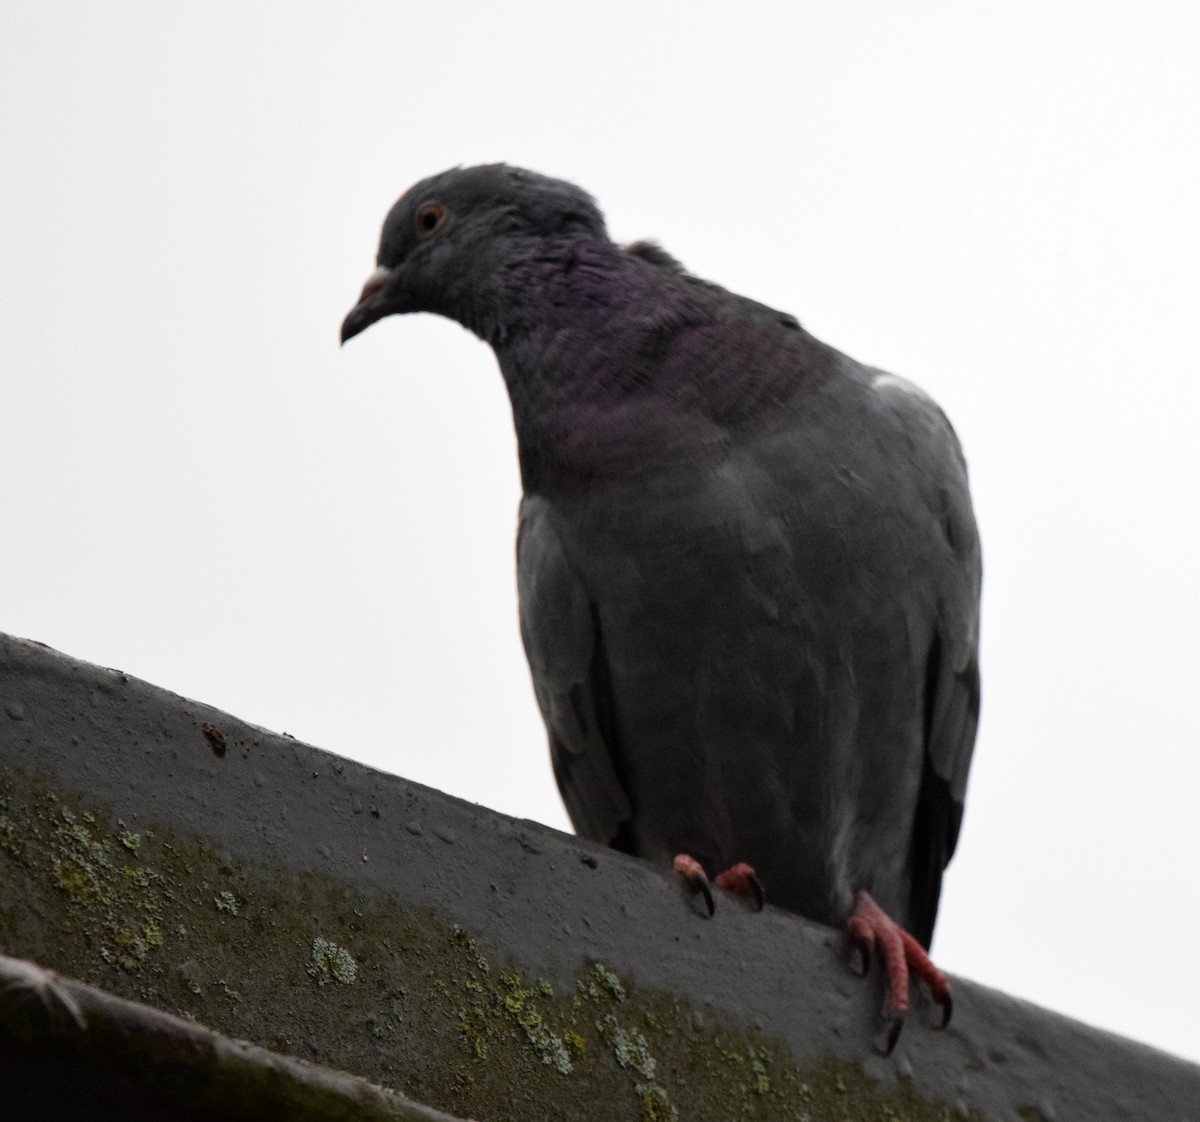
430 219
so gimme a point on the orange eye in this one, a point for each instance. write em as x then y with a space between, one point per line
431 217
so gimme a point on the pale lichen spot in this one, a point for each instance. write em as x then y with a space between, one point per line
331 963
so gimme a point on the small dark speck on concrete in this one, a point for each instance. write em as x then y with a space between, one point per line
374 812
589 861
215 738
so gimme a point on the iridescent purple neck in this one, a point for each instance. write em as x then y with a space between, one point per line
617 366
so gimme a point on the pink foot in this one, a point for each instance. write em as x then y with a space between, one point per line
740 879
873 929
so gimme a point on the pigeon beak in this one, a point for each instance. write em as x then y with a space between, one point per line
372 304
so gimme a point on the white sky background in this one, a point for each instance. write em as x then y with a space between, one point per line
999 201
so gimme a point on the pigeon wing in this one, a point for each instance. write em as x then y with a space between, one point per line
952 669
560 629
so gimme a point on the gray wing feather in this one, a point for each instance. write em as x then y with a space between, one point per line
952 674
570 678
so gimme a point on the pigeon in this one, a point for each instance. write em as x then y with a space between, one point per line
748 567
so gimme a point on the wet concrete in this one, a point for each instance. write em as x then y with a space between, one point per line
171 854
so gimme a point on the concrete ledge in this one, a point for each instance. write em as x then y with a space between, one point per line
71 1051
170 854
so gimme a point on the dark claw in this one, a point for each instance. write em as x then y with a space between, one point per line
947 1004
860 957
756 889
892 1035
693 872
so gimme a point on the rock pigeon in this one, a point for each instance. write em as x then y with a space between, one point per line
748 567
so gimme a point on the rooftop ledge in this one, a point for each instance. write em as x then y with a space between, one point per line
241 886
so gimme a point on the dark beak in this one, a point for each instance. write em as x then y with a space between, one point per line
372 305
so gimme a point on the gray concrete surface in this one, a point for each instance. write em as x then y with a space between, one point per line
68 1050
169 853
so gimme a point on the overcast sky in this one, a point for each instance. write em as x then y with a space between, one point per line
998 201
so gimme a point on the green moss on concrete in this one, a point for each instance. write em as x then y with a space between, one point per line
306 965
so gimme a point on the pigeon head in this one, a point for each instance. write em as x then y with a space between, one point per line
448 241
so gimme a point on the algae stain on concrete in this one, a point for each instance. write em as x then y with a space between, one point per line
645 1056
303 964
123 901
119 896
